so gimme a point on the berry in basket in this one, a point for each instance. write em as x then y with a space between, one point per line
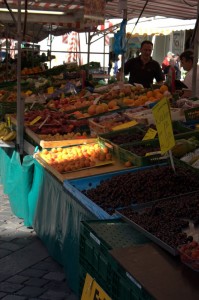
189 255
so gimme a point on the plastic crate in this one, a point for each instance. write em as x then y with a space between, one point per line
180 128
100 237
124 154
8 108
96 239
134 132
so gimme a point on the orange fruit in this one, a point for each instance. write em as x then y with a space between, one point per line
159 95
149 94
128 164
163 88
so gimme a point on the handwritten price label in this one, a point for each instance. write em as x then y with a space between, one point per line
92 290
162 116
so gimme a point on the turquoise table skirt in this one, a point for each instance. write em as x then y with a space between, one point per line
57 223
21 182
42 202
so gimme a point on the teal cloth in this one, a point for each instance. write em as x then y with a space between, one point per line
19 182
33 196
57 223
5 158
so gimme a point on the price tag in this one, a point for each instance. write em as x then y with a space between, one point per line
92 290
153 153
35 120
150 134
125 125
50 90
97 100
162 116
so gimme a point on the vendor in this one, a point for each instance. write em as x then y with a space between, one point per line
186 59
143 69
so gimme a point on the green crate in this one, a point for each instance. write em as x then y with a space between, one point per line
180 128
125 155
8 108
96 239
192 114
105 139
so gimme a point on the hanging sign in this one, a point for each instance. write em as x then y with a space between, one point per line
94 12
162 116
92 290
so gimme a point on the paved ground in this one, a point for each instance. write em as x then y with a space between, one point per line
26 269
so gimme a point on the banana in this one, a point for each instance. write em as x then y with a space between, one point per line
4 132
10 136
2 125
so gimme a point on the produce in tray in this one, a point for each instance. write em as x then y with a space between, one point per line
47 122
174 221
142 186
73 102
75 158
189 255
184 146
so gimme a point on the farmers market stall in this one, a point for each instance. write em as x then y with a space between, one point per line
55 200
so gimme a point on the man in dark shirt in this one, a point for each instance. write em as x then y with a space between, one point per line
143 69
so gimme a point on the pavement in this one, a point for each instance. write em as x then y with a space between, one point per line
26 269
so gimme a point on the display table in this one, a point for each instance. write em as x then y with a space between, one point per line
57 223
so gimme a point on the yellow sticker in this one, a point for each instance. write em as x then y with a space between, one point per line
153 153
150 134
8 121
162 115
125 125
62 95
50 90
92 290
35 120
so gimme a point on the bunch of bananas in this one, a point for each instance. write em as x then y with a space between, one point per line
6 134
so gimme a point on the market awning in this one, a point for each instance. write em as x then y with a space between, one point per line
158 26
69 15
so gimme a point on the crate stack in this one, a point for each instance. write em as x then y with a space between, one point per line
97 238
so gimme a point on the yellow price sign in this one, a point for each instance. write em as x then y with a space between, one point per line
150 134
93 291
125 125
50 90
35 120
162 115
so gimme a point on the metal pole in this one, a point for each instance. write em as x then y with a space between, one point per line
20 102
7 46
195 60
89 45
123 56
104 52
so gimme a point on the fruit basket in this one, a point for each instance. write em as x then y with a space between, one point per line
189 255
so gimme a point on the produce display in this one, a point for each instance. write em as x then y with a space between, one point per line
170 221
143 186
48 122
159 200
76 158
106 123
184 146
189 255
6 133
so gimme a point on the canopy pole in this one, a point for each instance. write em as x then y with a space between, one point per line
195 60
89 45
20 102
123 54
